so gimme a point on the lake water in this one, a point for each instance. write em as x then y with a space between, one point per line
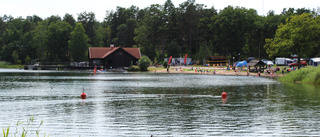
144 104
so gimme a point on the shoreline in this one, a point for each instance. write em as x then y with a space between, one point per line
207 71
219 71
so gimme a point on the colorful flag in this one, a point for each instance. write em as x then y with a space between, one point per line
169 61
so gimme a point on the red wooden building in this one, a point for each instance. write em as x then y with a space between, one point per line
113 57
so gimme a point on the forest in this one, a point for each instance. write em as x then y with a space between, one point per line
159 31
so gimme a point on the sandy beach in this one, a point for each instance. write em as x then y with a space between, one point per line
209 71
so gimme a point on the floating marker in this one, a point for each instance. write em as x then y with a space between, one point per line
224 95
83 95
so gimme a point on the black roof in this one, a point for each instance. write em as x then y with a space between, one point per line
256 63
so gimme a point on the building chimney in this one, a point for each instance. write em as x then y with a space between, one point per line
111 46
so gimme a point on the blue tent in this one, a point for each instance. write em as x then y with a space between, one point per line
241 63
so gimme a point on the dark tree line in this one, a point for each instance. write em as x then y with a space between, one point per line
158 30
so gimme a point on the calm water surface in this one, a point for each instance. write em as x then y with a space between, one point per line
144 104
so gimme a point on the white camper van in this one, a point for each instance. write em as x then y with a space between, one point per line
283 61
314 61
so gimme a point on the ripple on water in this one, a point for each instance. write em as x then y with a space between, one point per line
141 104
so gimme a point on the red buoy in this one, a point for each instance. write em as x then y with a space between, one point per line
83 95
224 95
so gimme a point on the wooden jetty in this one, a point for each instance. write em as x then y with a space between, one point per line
59 66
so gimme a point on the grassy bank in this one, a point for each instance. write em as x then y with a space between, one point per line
304 75
4 64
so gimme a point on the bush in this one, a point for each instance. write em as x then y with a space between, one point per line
133 68
15 57
144 63
4 64
305 75
27 60
165 64
313 76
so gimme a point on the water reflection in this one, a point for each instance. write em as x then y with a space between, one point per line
141 104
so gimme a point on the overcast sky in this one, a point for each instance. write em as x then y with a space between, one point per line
46 8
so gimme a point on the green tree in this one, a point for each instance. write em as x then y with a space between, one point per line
17 35
131 26
54 19
27 60
39 39
78 44
13 31
153 21
119 17
267 26
101 36
300 35
144 63
89 22
122 35
34 19
201 55
204 27
143 41
158 30
169 27
126 34
57 37
190 13
15 57
174 49
69 18
234 28
7 50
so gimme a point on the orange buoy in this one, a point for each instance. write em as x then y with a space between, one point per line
224 95
83 95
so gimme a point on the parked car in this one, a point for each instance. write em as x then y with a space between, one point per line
268 62
250 58
303 63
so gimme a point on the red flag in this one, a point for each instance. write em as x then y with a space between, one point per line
169 60
185 59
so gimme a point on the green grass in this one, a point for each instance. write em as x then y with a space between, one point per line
4 64
155 68
310 75
24 128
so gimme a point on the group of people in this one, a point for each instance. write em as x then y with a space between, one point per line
267 70
273 71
